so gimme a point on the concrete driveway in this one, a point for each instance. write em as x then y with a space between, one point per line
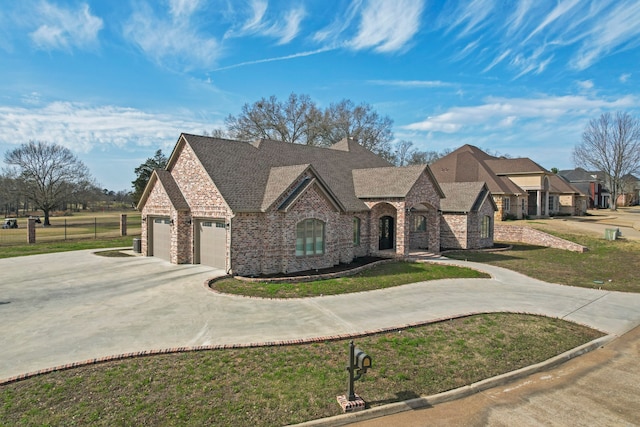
68 307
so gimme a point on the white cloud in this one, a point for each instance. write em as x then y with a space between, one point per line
59 28
535 33
586 84
82 127
179 8
174 43
624 77
259 23
472 16
410 83
388 26
613 31
500 112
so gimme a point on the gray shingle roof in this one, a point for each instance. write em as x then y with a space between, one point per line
386 182
464 196
171 188
244 174
559 185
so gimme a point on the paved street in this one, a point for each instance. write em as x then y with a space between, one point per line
67 307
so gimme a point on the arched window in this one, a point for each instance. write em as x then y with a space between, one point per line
419 223
356 231
485 227
310 237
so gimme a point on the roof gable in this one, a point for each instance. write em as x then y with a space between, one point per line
465 197
469 164
170 187
242 172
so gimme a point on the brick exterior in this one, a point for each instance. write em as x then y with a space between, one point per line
463 231
265 242
514 233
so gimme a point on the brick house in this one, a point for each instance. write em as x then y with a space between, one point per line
590 183
268 206
467 216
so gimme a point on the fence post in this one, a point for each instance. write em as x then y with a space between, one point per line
95 227
31 233
123 225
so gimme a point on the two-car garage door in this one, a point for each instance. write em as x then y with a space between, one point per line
210 241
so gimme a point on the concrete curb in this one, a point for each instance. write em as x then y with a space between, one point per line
458 393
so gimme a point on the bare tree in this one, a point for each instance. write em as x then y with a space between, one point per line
361 122
298 120
289 121
46 172
611 144
403 152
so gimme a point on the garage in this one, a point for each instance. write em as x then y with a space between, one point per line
161 238
211 243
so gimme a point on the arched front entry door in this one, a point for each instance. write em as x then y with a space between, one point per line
386 233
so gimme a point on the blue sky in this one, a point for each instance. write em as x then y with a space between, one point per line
116 80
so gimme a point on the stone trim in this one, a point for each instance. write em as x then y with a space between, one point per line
521 234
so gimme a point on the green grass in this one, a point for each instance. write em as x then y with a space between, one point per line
281 385
9 251
84 225
378 277
612 262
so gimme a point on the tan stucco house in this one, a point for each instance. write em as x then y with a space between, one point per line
519 186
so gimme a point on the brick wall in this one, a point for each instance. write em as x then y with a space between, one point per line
515 233
424 193
453 231
158 204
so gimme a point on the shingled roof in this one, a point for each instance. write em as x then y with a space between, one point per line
171 188
560 185
463 197
470 164
387 182
250 175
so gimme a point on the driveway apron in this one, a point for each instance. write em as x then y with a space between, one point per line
69 307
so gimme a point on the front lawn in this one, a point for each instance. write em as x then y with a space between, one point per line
271 386
377 277
610 265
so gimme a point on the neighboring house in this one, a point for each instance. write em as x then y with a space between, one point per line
565 199
520 187
590 183
269 207
467 216
630 191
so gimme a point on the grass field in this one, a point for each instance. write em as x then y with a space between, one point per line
607 265
282 385
83 225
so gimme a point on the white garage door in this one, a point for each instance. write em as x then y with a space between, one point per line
211 243
161 238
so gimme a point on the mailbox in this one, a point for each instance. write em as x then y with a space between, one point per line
359 362
362 360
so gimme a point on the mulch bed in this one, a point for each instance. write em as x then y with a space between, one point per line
357 262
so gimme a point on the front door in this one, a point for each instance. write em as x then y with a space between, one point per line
386 233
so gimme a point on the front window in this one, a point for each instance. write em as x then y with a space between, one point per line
310 237
356 231
419 223
506 204
552 204
485 227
